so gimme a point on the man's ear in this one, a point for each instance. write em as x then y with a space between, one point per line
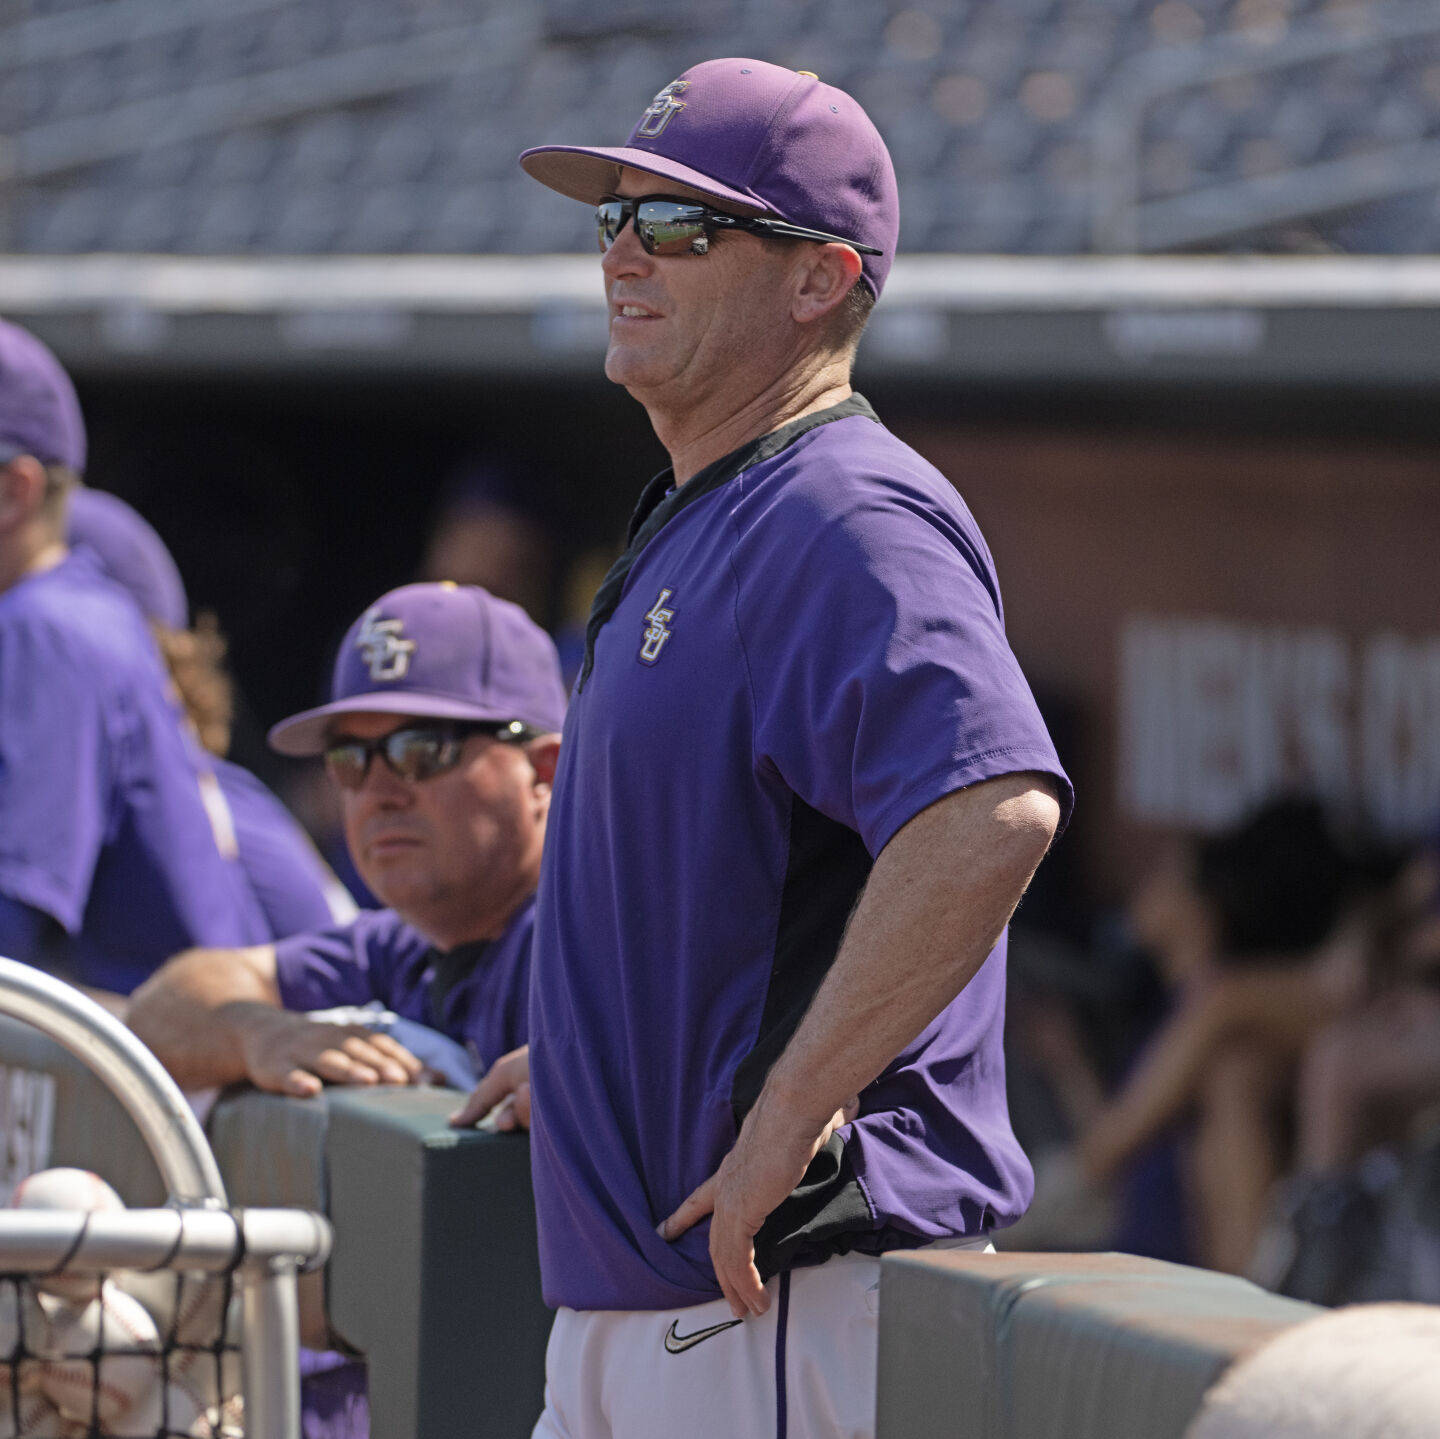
828 275
544 755
22 491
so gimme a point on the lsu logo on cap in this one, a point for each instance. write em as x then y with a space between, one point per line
662 109
657 629
380 642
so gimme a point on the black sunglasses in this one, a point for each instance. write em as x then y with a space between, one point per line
416 752
667 226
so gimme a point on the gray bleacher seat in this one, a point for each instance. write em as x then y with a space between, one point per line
513 75
308 221
153 220
240 157
387 218
227 219
322 148
65 222
464 220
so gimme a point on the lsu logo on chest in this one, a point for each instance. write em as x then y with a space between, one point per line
656 634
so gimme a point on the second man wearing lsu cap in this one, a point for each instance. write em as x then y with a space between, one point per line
442 735
803 785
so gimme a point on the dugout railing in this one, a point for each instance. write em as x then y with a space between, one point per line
1060 1346
433 1275
261 1251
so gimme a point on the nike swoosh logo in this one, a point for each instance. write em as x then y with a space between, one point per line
677 1343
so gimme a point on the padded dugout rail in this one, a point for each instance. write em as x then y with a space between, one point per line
434 1275
1059 1346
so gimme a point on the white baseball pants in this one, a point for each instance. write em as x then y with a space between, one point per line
803 1370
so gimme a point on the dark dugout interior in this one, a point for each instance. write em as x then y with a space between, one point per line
289 505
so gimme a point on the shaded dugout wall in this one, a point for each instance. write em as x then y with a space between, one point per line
1215 594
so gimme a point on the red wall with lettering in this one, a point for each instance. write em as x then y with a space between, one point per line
1089 530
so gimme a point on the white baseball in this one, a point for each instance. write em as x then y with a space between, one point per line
38 1417
24 1330
122 1387
67 1189
190 1312
186 1412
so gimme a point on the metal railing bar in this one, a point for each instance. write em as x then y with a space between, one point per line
136 1078
210 1241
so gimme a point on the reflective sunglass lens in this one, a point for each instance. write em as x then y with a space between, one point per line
347 764
419 754
610 218
412 754
665 227
669 228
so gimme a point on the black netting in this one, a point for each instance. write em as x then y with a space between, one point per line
151 1355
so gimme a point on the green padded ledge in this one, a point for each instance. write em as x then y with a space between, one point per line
1058 1346
434 1275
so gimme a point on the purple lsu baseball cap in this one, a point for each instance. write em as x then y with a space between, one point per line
770 140
39 414
130 553
437 651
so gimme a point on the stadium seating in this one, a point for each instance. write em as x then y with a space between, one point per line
1042 127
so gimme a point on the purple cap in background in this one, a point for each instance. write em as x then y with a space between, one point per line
758 136
130 553
441 651
39 414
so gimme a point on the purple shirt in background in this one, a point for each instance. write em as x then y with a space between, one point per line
102 825
293 887
378 956
483 1006
808 652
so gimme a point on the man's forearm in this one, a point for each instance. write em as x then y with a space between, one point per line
194 1012
938 900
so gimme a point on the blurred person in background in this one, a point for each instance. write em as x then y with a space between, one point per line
1262 935
292 887
491 530
500 529
1359 1220
582 582
108 858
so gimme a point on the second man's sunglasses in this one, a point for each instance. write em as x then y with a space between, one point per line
416 752
667 226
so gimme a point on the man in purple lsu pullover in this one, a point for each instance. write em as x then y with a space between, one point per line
802 786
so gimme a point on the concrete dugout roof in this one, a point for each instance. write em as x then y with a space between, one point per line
1232 319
